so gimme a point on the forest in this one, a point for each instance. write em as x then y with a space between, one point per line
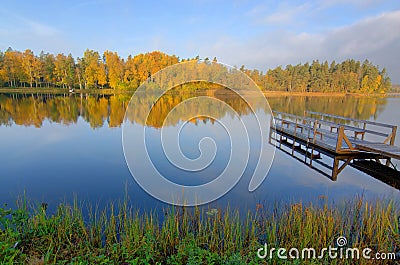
109 70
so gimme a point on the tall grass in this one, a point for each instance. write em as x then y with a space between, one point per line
122 235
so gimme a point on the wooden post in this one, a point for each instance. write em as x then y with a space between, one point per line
394 131
339 139
314 138
280 136
271 125
392 139
294 138
335 168
364 127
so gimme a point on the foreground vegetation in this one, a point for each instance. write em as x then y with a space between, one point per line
192 235
109 70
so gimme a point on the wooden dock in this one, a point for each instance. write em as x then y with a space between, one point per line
346 140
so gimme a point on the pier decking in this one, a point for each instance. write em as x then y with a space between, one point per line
346 140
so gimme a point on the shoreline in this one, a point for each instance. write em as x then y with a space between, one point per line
109 91
326 94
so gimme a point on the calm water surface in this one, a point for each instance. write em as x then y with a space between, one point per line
56 147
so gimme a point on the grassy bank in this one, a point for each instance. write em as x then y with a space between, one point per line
191 235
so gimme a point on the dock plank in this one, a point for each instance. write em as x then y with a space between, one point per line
383 149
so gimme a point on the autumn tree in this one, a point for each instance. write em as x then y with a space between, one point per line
114 68
91 68
101 74
142 66
13 69
64 70
3 76
30 65
47 68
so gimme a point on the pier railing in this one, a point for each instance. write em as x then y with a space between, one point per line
330 131
363 124
345 140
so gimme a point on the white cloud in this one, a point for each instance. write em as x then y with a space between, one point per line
284 13
359 3
39 29
372 34
375 38
287 14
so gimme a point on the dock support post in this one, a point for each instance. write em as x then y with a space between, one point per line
335 168
271 125
364 127
394 131
392 139
305 153
294 141
316 125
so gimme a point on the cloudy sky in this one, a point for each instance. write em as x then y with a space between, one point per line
258 34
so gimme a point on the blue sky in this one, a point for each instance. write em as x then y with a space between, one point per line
258 34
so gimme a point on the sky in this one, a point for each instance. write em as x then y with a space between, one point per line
257 34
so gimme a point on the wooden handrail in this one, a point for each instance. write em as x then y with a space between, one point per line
351 119
330 123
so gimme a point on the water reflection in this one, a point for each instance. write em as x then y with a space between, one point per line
100 110
363 108
33 109
77 148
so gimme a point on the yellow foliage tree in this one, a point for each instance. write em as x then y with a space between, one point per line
115 69
91 68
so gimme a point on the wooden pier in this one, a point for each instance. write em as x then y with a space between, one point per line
347 141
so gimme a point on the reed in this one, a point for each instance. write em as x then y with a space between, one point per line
120 234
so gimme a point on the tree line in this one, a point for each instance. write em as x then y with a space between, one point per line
24 69
109 70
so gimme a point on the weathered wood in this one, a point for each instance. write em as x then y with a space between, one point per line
351 119
335 170
394 131
339 140
386 150
310 131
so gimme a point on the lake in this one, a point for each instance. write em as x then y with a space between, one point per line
58 147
